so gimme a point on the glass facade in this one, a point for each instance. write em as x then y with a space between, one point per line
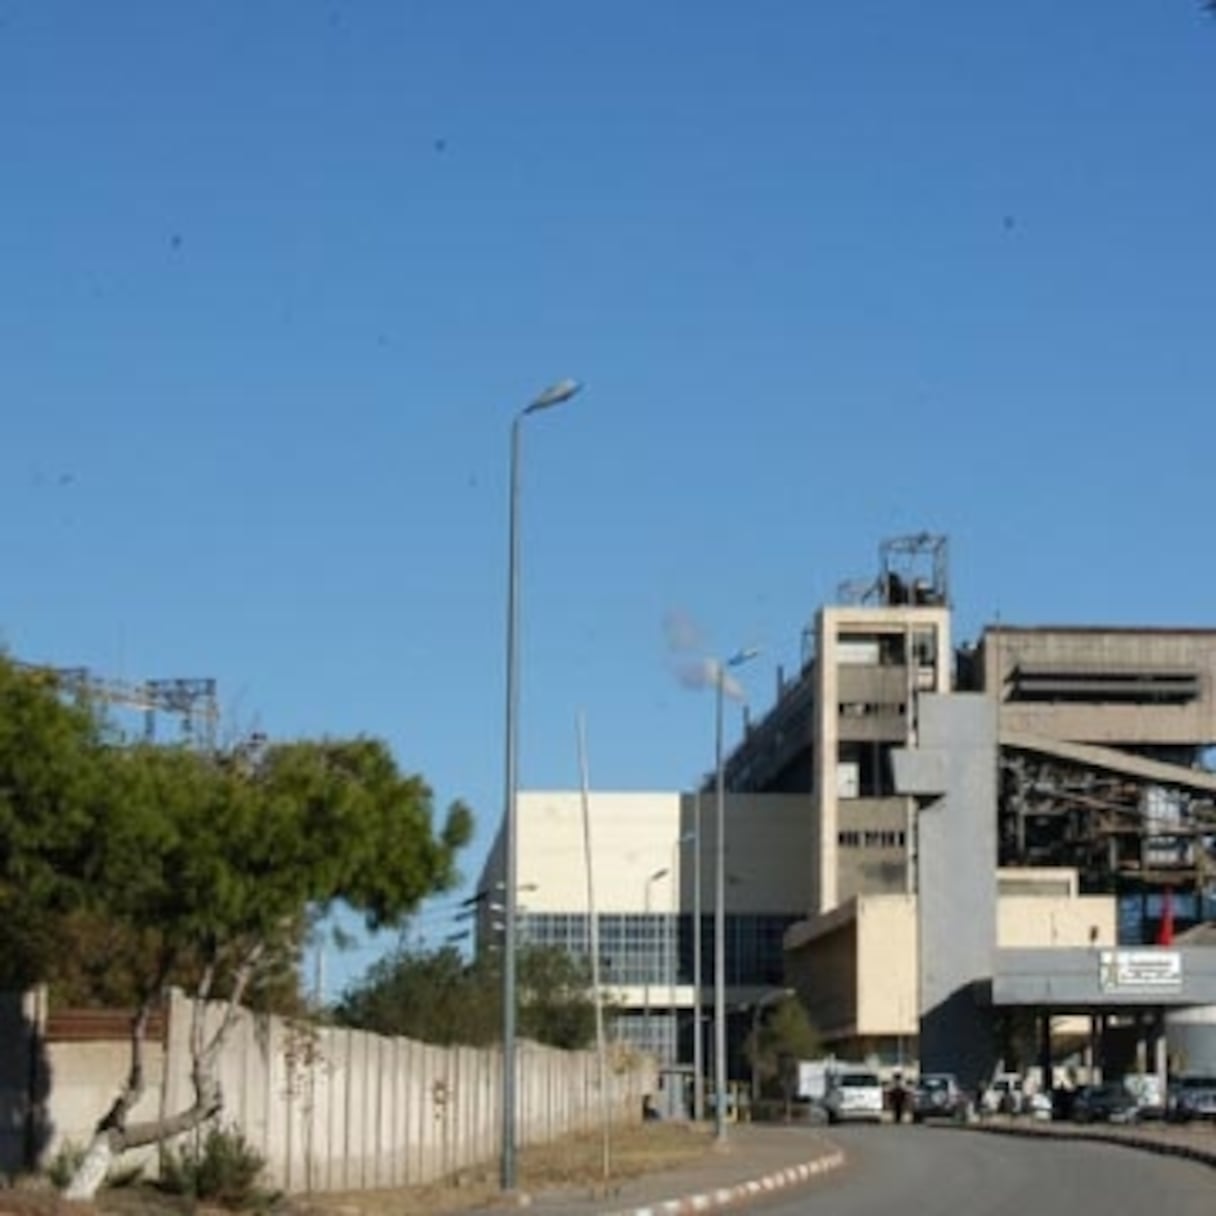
655 950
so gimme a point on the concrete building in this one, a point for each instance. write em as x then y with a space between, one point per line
644 852
914 821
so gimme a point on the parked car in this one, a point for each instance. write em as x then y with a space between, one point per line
1111 1102
1005 1095
937 1096
1191 1096
854 1094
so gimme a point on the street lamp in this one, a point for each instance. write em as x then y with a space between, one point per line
698 1046
720 669
650 880
556 394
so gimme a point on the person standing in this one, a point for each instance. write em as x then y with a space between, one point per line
899 1098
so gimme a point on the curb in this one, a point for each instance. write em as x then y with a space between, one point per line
730 1196
1141 1144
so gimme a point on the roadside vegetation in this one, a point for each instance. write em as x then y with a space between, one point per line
124 869
437 996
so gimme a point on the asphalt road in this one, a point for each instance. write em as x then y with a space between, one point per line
921 1171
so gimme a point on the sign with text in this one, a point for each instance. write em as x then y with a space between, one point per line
1139 970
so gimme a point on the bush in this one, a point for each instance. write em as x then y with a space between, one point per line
224 1169
64 1163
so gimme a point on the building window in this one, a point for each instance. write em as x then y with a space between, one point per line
871 838
658 949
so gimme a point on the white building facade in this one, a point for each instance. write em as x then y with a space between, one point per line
644 849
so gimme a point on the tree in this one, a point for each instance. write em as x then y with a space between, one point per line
432 996
206 867
48 783
556 1001
777 1042
436 997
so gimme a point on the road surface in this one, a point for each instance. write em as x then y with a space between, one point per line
927 1171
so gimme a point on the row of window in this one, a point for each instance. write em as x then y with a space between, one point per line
658 948
876 838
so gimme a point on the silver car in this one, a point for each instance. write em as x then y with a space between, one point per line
854 1095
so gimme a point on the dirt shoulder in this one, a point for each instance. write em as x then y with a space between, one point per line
574 1165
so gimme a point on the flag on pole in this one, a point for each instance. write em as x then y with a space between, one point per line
1165 931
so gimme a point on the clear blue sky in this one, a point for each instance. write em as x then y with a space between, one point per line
274 278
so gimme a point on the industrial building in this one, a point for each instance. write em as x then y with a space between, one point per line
915 817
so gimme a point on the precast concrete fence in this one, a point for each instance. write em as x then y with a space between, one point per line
328 1108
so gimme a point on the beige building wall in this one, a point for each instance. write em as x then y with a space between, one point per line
634 835
856 968
887 976
1033 921
643 856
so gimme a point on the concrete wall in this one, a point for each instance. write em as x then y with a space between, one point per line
337 1109
82 1082
838 680
1109 650
954 771
1191 1038
637 834
821 960
1039 920
1078 978
887 960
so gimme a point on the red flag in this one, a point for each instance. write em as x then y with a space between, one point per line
1165 932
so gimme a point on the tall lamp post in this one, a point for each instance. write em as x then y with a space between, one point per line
556 394
651 879
698 1048
736 660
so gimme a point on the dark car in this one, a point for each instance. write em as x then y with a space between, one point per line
936 1095
1109 1103
1191 1096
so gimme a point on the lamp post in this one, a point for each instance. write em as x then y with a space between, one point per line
556 394
736 660
698 1046
650 880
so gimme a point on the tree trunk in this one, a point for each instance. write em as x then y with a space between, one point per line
93 1168
112 1136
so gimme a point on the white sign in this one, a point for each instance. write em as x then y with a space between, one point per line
1139 970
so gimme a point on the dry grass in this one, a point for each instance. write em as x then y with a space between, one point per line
574 1165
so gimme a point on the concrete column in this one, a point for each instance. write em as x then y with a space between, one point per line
952 772
1161 1054
1045 1057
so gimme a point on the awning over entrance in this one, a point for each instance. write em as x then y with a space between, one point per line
1105 979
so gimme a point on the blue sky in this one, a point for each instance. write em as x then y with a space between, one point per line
275 277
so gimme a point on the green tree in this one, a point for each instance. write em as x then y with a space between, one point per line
49 780
432 996
556 1000
205 867
436 997
778 1040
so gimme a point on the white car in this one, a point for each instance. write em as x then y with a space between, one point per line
1005 1095
855 1094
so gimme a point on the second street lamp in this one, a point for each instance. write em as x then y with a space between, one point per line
646 957
736 660
556 394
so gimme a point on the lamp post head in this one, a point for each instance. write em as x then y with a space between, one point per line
555 394
743 656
